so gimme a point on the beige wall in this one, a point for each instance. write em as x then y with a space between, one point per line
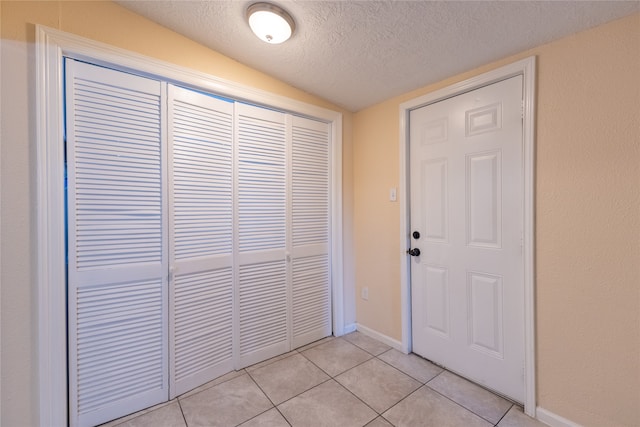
109 23
587 221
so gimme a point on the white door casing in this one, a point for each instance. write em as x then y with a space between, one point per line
467 287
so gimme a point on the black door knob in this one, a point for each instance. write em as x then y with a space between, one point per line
414 252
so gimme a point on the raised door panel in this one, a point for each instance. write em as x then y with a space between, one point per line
201 238
117 288
484 199
435 200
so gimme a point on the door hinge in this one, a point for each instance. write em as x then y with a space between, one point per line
522 109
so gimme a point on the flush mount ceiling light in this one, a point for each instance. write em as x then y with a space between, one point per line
270 23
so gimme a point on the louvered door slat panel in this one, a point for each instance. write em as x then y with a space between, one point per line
117 261
311 296
261 179
107 148
203 321
110 368
311 310
263 307
202 148
310 182
201 212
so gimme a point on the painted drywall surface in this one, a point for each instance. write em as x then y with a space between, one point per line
17 248
376 223
588 230
112 24
587 221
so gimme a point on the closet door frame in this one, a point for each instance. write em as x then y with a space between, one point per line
52 46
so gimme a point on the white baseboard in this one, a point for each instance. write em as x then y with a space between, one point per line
380 337
554 420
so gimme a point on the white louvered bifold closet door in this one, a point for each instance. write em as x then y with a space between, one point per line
117 273
311 289
201 242
261 221
198 238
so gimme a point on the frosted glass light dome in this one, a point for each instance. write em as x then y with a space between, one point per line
270 23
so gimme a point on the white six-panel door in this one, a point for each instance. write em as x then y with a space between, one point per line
198 238
467 284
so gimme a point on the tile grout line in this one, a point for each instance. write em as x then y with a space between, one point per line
184 417
265 395
331 377
272 402
399 401
425 384
446 397
326 341
378 414
125 419
408 374
459 404
183 395
309 389
263 392
283 417
475 384
362 348
422 384
504 415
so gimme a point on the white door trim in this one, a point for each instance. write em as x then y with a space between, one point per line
526 68
51 48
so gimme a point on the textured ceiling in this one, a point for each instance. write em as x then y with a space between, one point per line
358 53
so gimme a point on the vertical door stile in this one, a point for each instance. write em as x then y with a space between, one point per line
171 244
167 318
288 232
236 239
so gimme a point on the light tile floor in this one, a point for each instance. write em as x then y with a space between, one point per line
336 382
